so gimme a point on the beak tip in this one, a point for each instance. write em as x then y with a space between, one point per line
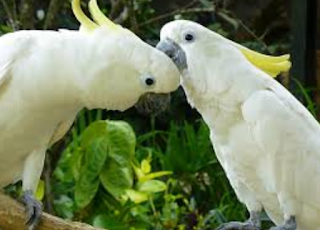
174 52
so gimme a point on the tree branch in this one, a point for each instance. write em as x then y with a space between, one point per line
123 16
12 217
47 175
26 14
245 27
54 7
132 15
183 11
116 8
13 22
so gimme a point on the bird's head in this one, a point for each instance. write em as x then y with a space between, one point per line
128 68
206 50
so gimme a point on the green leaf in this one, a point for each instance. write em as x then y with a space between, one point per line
64 207
310 105
88 183
137 196
40 190
116 177
152 186
109 222
145 166
154 175
85 191
76 162
96 130
122 139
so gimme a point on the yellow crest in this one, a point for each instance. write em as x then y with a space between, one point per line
99 18
272 65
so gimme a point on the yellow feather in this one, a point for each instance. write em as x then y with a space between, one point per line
272 65
81 17
99 17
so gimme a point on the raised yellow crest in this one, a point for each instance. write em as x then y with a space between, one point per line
99 18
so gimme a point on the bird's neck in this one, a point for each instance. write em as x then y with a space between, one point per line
216 109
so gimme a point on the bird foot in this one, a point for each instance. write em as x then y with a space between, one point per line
253 223
33 210
239 226
289 224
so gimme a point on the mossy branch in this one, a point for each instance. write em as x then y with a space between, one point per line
12 217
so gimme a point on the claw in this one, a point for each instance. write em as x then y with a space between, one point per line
238 226
252 224
289 224
33 210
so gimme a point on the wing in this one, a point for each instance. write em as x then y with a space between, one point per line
289 138
13 46
5 76
60 131
5 72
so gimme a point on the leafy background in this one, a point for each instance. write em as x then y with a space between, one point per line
136 171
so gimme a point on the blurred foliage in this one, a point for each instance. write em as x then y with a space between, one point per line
105 171
94 179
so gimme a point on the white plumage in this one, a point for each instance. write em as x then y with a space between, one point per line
47 77
265 139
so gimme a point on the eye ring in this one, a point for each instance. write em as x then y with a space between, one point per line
189 37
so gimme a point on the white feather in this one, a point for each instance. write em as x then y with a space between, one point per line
47 77
265 139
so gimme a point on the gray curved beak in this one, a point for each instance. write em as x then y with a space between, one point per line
175 52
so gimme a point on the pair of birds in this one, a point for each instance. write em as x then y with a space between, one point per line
265 139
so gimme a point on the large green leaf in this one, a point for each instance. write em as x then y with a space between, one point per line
119 134
109 148
85 191
96 130
88 183
116 178
76 162
122 139
117 175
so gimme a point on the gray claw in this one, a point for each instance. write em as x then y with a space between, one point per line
238 226
253 223
289 224
33 210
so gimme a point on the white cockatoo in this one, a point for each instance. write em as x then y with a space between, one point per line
265 139
47 77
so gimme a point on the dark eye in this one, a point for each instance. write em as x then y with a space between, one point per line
189 37
149 81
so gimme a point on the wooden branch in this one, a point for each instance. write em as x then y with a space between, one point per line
12 217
